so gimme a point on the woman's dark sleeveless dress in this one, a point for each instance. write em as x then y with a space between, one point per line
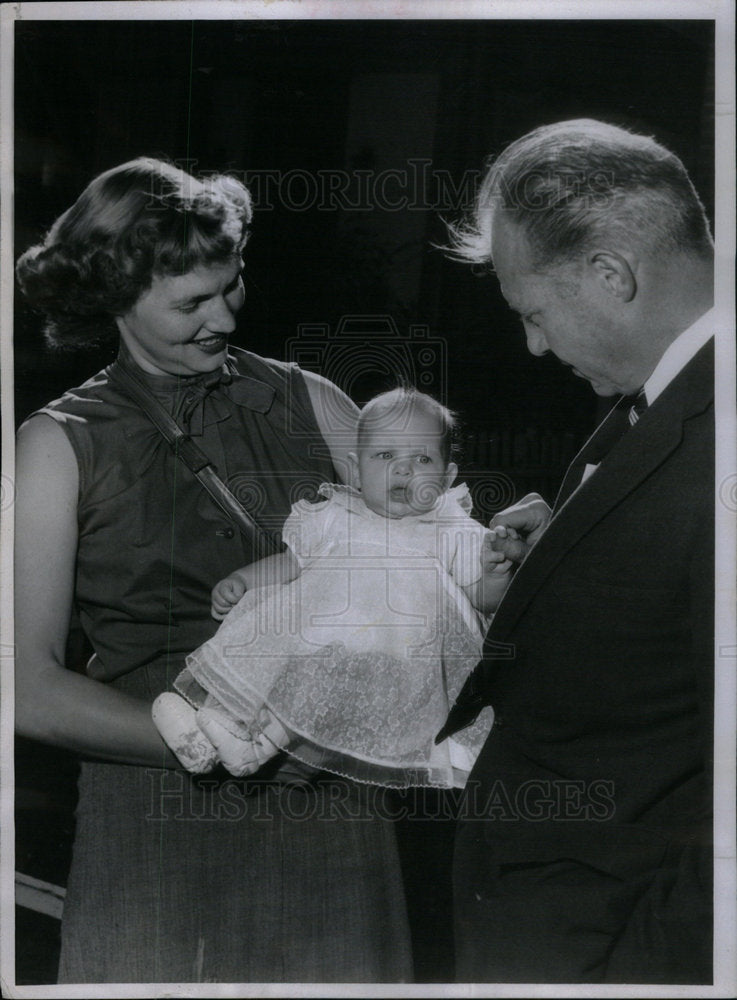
210 879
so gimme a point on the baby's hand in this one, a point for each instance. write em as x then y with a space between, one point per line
226 594
499 550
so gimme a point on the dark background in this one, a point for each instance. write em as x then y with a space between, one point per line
317 98
312 98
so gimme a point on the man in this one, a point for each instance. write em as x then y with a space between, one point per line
584 849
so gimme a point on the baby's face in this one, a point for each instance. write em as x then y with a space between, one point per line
399 466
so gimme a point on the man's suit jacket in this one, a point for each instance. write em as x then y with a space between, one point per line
599 665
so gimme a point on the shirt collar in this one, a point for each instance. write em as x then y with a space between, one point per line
678 354
454 502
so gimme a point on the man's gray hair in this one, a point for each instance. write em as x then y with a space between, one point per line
569 184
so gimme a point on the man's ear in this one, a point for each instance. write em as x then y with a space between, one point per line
450 473
614 273
353 469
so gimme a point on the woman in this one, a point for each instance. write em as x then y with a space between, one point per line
111 524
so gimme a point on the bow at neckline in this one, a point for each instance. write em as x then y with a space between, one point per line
196 401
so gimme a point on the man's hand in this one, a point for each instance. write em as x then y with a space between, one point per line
527 520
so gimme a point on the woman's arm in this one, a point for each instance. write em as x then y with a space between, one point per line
337 417
53 704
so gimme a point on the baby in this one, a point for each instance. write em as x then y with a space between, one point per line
347 648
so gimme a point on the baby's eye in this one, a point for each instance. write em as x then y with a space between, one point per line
423 459
386 455
529 321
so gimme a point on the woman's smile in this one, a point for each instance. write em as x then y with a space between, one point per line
181 325
212 344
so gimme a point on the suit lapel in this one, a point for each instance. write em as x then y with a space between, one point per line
632 459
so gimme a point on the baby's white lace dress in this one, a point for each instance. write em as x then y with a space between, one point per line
361 655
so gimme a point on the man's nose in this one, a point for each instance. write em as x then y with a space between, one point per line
536 342
220 316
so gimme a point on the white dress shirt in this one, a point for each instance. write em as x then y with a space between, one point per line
678 354
676 357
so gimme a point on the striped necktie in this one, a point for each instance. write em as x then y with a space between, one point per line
638 407
623 416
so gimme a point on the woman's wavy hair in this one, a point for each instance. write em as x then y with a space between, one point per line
140 220
569 184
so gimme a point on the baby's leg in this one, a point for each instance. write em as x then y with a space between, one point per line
176 720
243 754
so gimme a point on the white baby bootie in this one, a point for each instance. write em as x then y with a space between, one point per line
176 720
242 755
